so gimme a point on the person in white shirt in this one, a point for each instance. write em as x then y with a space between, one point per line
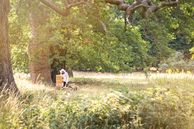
65 76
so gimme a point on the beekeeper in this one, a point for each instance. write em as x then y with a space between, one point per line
65 77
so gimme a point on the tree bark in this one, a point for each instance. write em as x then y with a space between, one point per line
7 81
38 48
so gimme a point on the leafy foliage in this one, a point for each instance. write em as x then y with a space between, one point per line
192 52
93 38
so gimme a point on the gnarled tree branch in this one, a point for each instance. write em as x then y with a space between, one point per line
65 11
147 6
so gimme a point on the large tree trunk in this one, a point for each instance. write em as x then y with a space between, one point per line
38 48
6 74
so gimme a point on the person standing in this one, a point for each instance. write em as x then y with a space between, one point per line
65 77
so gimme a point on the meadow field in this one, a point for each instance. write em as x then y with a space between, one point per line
103 101
141 53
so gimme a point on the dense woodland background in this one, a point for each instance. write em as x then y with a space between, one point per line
94 37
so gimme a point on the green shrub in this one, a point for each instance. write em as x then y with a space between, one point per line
156 108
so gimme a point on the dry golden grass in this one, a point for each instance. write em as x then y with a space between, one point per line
37 101
97 84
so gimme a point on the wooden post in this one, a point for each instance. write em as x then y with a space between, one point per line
59 81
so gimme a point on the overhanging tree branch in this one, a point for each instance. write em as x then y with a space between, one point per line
54 7
65 11
148 7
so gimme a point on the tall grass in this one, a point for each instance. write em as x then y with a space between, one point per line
102 103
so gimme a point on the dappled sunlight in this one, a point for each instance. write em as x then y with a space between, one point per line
99 84
25 84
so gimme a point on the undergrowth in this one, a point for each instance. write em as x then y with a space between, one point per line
156 107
